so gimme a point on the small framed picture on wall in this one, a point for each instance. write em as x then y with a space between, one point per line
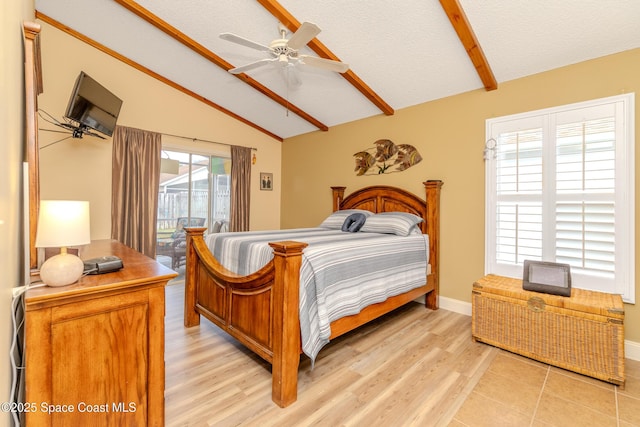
266 181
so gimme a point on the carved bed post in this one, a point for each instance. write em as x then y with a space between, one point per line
432 189
191 317
286 321
338 196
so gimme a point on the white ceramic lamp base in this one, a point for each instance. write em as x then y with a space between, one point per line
61 270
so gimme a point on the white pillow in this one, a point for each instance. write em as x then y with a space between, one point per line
336 219
398 223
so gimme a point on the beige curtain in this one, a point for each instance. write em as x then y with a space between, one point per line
240 188
134 192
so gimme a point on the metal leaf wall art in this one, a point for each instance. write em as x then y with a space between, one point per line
386 157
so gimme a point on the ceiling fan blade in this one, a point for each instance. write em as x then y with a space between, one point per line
244 42
251 66
325 64
303 35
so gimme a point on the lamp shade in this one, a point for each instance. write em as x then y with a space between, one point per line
63 223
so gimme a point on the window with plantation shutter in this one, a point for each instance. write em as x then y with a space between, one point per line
560 187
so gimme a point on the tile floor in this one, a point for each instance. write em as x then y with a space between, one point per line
517 391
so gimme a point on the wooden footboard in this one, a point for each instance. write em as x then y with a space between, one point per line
261 310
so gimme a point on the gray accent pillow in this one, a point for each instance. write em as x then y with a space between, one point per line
354 222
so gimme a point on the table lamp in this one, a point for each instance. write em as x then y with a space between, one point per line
62 223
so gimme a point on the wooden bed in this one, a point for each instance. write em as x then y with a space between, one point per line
261 310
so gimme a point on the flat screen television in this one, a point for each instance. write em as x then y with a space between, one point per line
93 106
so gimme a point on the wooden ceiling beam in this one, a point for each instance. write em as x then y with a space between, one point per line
461 24
187 41
289 21
139 67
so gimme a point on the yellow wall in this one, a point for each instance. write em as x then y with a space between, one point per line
11 153
450 135
81 168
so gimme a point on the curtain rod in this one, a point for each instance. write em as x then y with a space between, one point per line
203 140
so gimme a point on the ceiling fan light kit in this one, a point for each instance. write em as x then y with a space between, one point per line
285 51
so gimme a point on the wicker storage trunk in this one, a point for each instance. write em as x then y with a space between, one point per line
582 333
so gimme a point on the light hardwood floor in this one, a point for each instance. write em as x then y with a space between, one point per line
414 367
411 367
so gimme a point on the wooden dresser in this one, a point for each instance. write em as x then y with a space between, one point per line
95 349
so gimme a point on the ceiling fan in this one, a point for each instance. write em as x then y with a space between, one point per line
284 51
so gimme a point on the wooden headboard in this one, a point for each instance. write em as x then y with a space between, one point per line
381 198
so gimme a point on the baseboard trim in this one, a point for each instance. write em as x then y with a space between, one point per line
455 305
631 348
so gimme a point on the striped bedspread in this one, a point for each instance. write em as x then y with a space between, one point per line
341 273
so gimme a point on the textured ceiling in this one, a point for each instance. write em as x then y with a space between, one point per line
407 52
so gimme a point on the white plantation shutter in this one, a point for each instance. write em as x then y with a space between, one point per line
519 196
585 187
560 188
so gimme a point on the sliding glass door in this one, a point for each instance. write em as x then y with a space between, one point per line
194 191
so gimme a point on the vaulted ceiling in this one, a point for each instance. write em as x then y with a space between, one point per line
400 53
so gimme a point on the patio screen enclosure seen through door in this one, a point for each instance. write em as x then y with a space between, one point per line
194 190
